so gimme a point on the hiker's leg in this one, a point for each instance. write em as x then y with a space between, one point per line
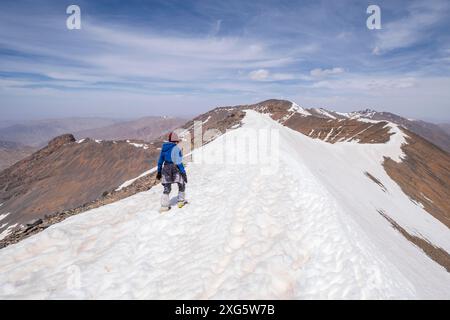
181 192
165 201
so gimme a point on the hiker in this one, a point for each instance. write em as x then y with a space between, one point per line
171 170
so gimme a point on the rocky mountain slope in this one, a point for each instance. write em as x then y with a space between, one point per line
432 132
67 174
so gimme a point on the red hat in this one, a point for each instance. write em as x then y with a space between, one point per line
173 137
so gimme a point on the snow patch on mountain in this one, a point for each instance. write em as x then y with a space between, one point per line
138 145
7 231
324 113
296 108
367 113
207 119
366 120
3 216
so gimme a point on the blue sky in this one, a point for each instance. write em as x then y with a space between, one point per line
135 58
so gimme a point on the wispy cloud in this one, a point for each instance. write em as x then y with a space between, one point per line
266 75
414 27
366 84
319 72
259 75
217 53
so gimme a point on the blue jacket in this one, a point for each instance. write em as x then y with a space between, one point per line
170 153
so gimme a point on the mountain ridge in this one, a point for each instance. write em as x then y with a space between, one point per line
329 127
330 223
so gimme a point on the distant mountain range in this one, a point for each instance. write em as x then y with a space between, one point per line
11 152
38 133
20 140
146 129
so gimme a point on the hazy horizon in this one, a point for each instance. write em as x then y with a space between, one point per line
186 117
183 58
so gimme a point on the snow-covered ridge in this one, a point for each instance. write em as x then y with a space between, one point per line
362 116
296 108
324 112
309 230
367 114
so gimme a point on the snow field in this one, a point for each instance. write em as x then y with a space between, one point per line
245 234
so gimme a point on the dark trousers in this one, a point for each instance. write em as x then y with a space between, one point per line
168 187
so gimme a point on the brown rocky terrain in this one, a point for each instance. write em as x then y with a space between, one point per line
317 125
346 126
67 174
437 254
424 175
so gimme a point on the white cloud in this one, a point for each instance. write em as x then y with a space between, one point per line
266 75
318 73
412 29
139 61
376 51
344 35
259 75
360 83
283 76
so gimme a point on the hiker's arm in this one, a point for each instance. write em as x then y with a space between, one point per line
160 162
